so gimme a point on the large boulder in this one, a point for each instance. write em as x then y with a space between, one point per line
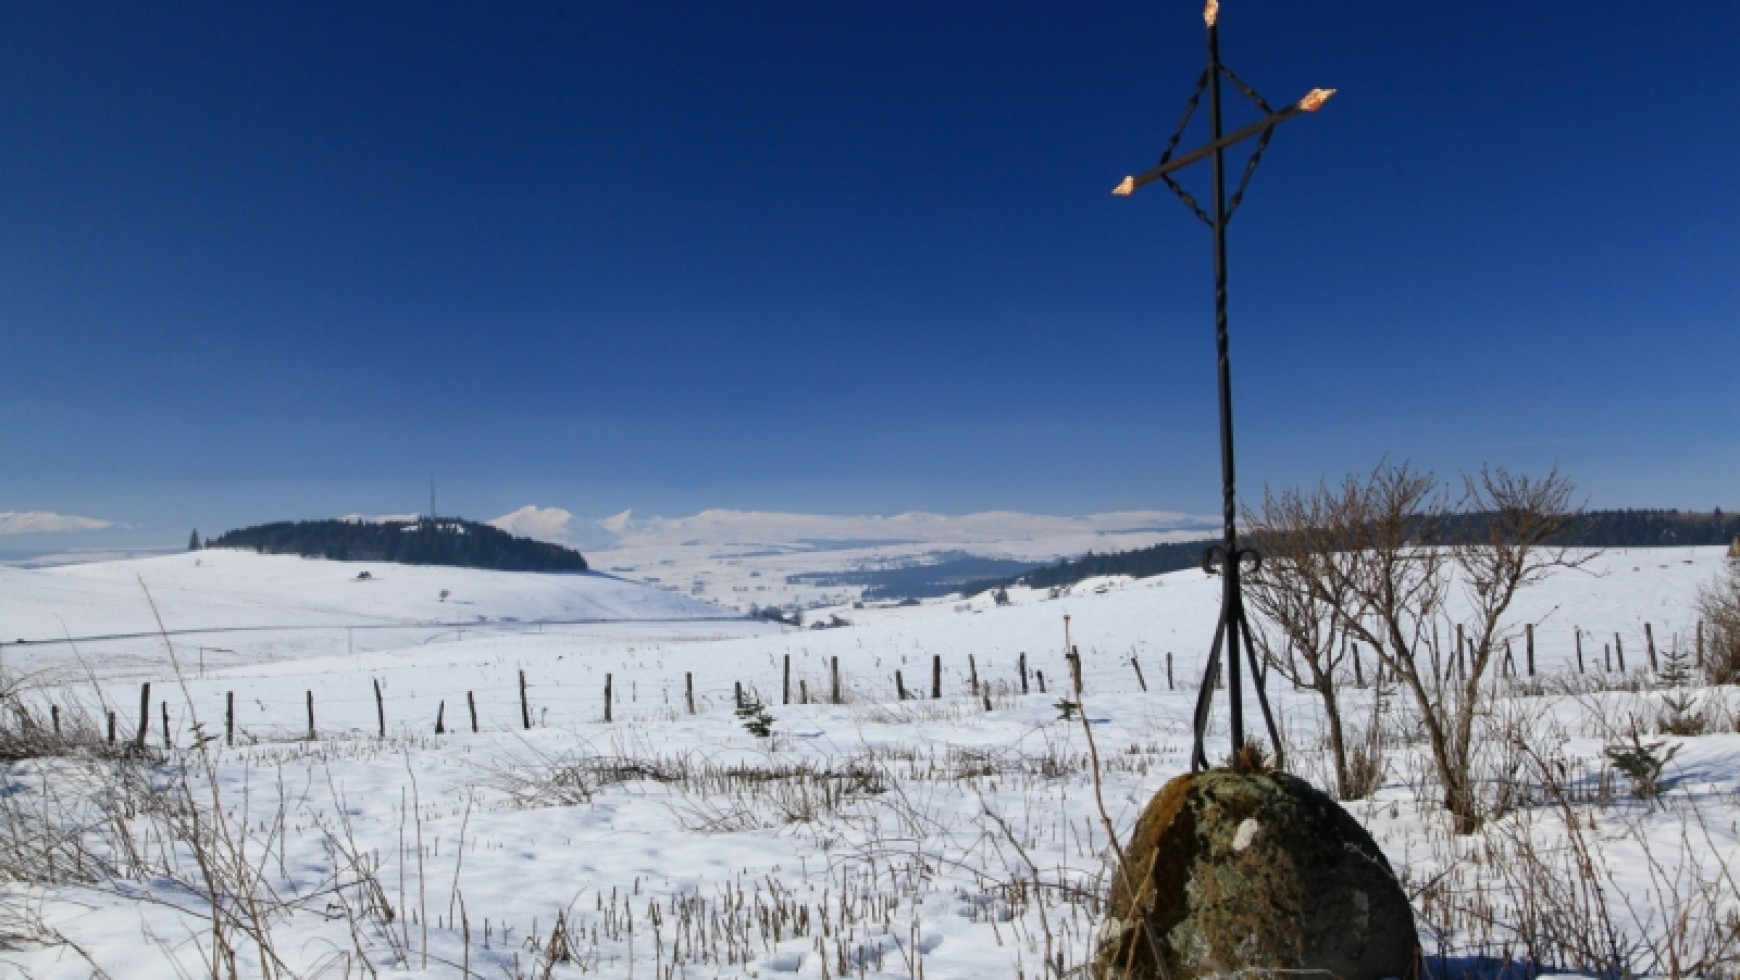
1254 874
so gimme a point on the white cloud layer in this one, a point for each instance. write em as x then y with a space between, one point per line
538 523
47 522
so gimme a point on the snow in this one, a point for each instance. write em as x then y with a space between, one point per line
915 830
739 558
276 607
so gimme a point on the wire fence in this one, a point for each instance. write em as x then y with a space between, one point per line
504 696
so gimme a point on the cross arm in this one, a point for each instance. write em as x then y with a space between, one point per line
1310 103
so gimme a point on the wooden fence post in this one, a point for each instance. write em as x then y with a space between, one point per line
54 715
471 703
168 742
1074 661
837 696
111 727
441 718
785 683
899 686
230 718
803 690
973 674
689 690
1529 646
1358 671
525 706
607 699
738 687
144 716
1039 675
1141 681
380 708
1700 645
1619 652
936 676
1022 663
1169 685
311 716
1579 631
1649 640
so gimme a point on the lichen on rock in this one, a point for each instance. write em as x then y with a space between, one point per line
1253 873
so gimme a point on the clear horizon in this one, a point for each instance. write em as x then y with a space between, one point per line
280 263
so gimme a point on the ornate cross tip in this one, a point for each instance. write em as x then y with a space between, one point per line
1125 187
1211 12
1314 99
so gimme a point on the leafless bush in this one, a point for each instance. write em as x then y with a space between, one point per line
574 778
728 799
1366 764
1384 555
1719 605
1573 877
158 828
73 735
1298 597
1560 909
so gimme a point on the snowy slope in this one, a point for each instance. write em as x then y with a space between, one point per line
218 588
469 820
226 608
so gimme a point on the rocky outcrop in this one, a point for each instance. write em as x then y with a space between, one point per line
1254 874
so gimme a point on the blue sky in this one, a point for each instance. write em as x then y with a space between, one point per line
271 261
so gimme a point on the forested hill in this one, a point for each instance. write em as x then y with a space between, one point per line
1593 529
1651 528
444 541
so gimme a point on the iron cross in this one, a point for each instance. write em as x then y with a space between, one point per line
1232 629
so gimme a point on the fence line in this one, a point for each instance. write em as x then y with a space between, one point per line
489 705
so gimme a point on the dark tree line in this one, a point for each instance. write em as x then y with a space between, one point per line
1139 563
448 541
947 575
1591 529
1650 528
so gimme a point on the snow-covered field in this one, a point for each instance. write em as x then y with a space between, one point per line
737 559
232 607
950 837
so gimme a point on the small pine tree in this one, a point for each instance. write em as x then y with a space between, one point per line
1642 764
193 542
1676 668
1680 716
756 719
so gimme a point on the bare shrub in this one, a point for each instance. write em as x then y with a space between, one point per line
1384 556
1366 757
1719 605
575 778
1558 896
1297 598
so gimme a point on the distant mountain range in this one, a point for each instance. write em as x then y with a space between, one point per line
421 541
832 531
